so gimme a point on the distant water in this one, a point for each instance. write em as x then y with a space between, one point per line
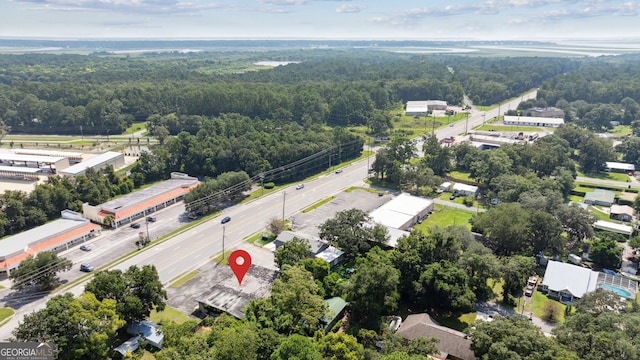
275 63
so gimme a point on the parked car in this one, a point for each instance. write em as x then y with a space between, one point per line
452 197
529 290
299 186
86 268
225 220
151 219
86 247
135 226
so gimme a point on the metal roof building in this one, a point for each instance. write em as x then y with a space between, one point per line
618 166
56 236
141 203
19 172
416 108
613 227
113 158
34 161
74 157
532 121
402 212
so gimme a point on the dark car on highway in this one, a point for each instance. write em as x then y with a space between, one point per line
151 219
225 220
135 225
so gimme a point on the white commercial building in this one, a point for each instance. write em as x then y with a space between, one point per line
402 212
417 108
115 159
532 121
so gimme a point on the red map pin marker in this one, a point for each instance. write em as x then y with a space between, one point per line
240 261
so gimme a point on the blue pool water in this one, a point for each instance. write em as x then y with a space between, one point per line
617 290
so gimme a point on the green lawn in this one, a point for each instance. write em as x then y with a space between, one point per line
184 278
537 302
465 176
599 214
317 204
5 313
606 176
444 216
169 313
457 321
219 259
621 130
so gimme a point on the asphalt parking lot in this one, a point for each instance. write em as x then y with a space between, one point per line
360 199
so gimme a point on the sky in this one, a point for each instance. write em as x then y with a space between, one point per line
321 19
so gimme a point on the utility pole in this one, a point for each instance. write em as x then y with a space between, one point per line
466 125
284 197
222 243
146 223
262 183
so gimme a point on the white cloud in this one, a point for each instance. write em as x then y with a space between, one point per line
284 2
350 8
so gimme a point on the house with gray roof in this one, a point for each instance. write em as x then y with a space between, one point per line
600 197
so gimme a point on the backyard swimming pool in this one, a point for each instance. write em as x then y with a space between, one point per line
617 290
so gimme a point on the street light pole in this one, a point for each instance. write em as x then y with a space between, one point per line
146 223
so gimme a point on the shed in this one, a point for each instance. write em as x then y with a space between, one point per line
331 255
445 187
575 259
600 197
336 307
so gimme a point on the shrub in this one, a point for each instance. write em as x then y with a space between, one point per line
468 201
269 185
551 311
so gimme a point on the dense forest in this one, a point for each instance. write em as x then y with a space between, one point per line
101 94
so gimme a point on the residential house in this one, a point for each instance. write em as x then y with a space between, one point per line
451 343
600 197
621 212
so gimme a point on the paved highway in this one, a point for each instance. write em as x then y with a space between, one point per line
197 245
